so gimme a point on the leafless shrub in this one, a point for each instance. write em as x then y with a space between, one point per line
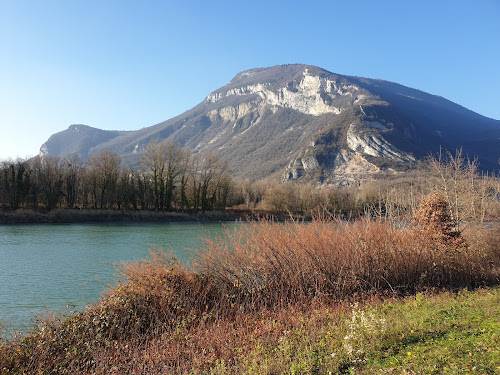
269 264
472 196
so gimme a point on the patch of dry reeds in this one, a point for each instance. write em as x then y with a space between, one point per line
266 264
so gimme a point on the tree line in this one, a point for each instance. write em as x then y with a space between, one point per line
168 178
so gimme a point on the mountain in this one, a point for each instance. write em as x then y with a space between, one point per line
303 122
78 139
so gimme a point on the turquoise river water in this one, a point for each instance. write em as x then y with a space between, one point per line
61 268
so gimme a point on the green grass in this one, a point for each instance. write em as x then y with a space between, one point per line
455 334
444 333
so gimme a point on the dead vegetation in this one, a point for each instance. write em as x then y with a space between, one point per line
262 267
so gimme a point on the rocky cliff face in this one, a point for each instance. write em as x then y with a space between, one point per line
298 122
348 163
311 95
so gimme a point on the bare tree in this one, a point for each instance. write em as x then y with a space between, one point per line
214 182
104 172
16 178
174 156
462 186
154 163
185 166
194 182
72 174
125 190
35 188
50 181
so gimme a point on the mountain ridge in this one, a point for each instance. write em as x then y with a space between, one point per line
303 122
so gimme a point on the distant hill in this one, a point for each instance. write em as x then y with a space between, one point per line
303 122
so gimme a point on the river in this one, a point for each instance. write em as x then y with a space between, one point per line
46 268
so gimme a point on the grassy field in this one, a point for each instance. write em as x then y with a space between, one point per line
433 334
314 298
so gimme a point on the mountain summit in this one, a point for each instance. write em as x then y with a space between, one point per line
303 122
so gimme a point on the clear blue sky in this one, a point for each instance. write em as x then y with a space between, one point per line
118 64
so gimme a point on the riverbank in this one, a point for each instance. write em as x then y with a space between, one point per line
69 216
328 297
422 334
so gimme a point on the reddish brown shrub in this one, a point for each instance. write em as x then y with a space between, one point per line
433 217
267 264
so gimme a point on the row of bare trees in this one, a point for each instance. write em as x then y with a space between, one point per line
168 178
172 178
176 175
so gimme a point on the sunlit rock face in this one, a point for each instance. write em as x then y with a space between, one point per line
374 145
312 95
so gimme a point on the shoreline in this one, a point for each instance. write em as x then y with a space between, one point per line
88 216
27 216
